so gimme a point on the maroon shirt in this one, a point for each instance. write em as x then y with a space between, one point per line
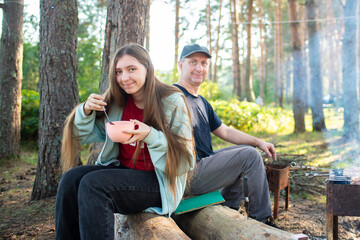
131 111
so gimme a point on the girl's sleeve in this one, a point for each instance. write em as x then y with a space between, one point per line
178 116
88 128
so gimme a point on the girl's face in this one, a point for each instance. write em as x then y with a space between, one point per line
130 75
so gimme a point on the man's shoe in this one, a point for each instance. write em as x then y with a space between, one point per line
270 222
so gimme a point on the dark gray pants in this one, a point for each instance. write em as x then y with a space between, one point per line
225 170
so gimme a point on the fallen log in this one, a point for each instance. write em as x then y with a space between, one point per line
213 222
146 226
219 222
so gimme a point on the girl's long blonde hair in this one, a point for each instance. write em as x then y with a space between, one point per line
178 153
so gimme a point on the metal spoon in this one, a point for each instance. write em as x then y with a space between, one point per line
107 116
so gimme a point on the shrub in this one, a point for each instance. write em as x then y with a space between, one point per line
29 114
210 91
248 116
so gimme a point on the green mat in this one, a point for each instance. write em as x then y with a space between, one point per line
198 202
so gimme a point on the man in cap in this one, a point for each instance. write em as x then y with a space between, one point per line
224 168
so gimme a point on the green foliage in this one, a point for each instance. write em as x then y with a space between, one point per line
89 58
92 15
29 114
247 116
210 91
30 66
168 77
29 149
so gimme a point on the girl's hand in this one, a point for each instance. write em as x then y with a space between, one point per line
94 102
139 133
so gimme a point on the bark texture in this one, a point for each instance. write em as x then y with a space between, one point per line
219 222
125 23
214 222
11 53
298 70
217 47
249 92
316 86
146 226
262 63
278 51
57 86
350 96
236 68
209 35
177 37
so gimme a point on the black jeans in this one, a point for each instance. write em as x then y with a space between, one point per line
88 197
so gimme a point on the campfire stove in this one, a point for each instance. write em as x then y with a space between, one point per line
342 199
278 179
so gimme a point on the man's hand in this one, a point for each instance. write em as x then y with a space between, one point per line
268 148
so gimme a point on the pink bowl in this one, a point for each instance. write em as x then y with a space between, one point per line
116 131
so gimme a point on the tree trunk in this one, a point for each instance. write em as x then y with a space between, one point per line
298 70
331 53
11 57
278 51
235 49
177 37
57 86
125 23
214 222
147 38
350 96
339 31
249 92
209 39
316 88
288 79
262 52
217 43
219 222
146 226
276 57
242 55
303 39
280 68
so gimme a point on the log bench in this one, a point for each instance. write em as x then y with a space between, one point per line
146 226
213 222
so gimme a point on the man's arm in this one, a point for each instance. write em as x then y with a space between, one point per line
235 136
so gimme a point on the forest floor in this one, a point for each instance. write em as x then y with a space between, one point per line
21 218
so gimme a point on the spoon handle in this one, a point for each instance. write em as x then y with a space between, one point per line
106 115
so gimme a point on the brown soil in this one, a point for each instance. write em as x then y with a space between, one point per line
309 217
22 219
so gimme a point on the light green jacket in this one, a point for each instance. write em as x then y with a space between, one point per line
91 129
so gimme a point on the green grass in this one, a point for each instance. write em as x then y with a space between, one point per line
29 152
320 149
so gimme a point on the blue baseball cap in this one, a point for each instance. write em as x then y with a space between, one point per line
194 48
